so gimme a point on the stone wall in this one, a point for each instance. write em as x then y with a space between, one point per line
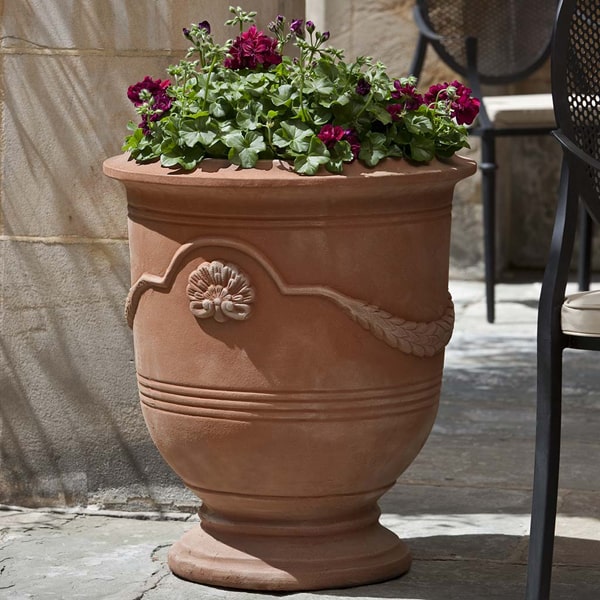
70 427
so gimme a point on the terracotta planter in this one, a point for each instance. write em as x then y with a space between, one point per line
289 335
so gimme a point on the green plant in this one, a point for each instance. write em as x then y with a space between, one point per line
246 100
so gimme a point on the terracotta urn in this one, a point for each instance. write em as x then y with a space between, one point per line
289 335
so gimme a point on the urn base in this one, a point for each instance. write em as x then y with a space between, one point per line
281 559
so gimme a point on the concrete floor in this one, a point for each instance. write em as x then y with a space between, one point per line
463 506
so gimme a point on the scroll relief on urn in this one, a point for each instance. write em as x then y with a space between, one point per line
221 291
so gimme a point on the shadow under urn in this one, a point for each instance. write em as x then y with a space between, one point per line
289 334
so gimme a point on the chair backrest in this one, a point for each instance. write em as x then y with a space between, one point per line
513 36
576 87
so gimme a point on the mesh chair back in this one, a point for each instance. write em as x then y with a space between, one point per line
513 36
576 87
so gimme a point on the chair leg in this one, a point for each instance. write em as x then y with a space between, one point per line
488 189
546 470
584 266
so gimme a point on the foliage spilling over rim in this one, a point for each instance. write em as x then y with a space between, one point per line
246 100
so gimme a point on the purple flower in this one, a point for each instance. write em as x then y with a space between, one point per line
204 25
408 96
325 36
310 26
363 87
351 137
186 33
296 27
252 48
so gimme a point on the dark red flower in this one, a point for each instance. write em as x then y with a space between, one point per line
331 134
463 107
437 92
252 48
155 87
395 110
159 101
407 95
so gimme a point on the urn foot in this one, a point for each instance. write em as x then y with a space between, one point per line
288 560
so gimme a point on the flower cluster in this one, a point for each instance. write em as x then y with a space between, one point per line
463 108
246 100
251 49
151 97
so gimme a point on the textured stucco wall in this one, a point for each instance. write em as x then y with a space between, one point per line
70 427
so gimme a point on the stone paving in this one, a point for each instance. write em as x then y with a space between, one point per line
463 506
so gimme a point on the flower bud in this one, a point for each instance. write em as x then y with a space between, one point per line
296 27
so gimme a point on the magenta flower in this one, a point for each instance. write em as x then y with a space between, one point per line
408 96
252 48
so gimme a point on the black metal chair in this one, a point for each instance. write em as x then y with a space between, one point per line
496 42
572 322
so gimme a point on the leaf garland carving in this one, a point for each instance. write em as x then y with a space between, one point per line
422 339
410 337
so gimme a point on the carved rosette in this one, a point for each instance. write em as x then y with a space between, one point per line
220 291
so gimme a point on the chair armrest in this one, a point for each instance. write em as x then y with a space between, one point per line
424 29
574 149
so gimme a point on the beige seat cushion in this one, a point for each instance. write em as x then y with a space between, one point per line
580 314
530 110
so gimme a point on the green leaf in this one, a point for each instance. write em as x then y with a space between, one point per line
293 134
284 95
342 151
422 149
249 116
244 149
373 149
418 124
308 164
133 141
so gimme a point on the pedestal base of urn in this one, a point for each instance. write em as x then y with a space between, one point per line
288 562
